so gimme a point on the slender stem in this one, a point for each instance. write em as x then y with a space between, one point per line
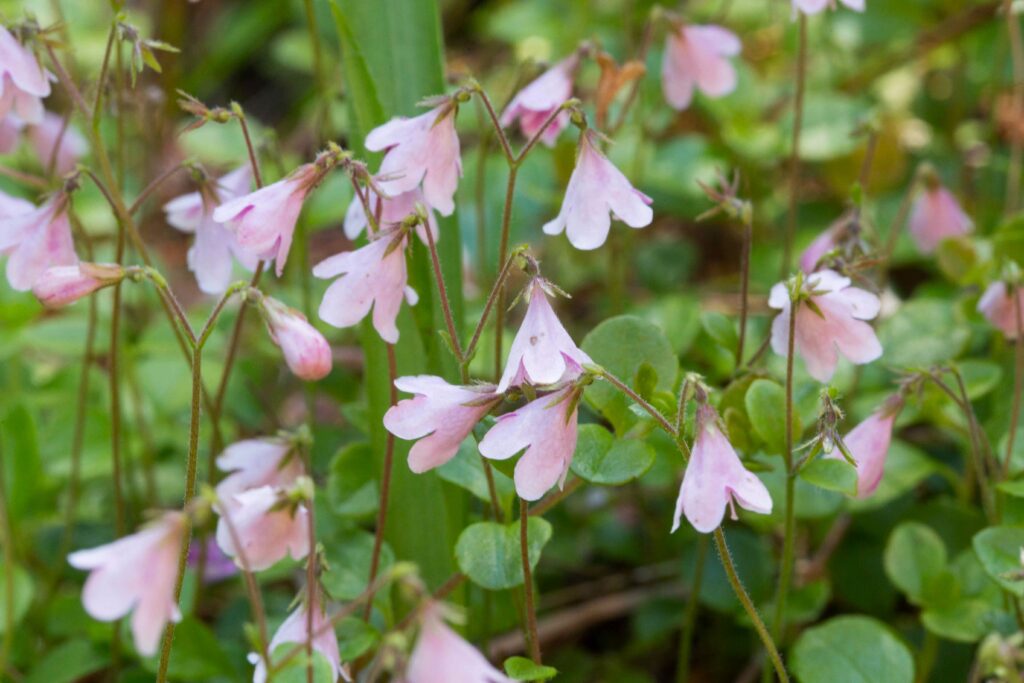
531 612
442 291
318 64
748 240
1013 178
385 485
506 221
149 189
557 497
250 148
1018 380
488 305
786 568
101 83
502 138
794 157
532 142
24 178
926 657
692 607
748 606
482 150
897 225
648 408
249 579
311 581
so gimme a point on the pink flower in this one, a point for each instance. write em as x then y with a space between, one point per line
136 572
295 629
424 148
62 285
393 210
268 527
210 256
696 57
540 99
997 307
542 352
305 350
937 216
715 479
822 244
218 565
816 6
372 276
264 221
23 83
546 428
440 415
868 443
442 656
837 326
253 463
45 136
37 240
596 188
10 133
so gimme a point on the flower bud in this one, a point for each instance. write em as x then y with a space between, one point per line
305 350
62 285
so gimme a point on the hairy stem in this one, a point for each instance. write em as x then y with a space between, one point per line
385 486
786 567
506 221
442 291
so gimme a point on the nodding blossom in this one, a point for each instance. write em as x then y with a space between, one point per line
371 276
393 210
295 629
546 429
137 572
716 479
36 240
542 97
442 656
63 285
697 57
829 321
868 444
264 525
597 191
305 350
423 149
23 83
252 463
817 6
936 216
998 307
212 255
439 416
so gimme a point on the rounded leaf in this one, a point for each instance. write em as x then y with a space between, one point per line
600 458
489 553
851 650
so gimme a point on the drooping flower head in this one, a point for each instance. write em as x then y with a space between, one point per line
542 352
596 192
393 210
36 240
1001 308
23 83
817 6
265 524
936 216
536 102
305 350
829 320
137 572
371 276
295 629
716 479
868 444
697 57
62 285
252 463
423 149
216 248
546 429
439 415
56 142
442 656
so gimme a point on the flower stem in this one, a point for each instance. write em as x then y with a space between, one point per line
506 221
101 82
151 188
794 157
442 291
318 67
385 486
748 240
1013 177
1018 379
786 568
249 579
488 305
692 606
531 613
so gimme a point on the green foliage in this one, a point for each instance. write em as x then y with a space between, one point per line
489 553
831 474
523 669
766 407
602 459
851 650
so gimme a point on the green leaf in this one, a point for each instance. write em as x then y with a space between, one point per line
523 669
355 638
831 474
980 376
466 470
23 468
23 591
351 482
851 649
998 548
489 553
348 561
965 621
922 332
1012 488
68 662
766 407
913 556
600 458
622 345
197 653
720 328
295 671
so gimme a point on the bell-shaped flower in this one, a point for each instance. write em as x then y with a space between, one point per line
534 104
210 256
997 306
37 240
253 463
393 210
822 244
439 416
23 83
56 142
136 572
263 524
442 656
263 221
697 57
295 629
542 352
423 149
816 6
597 189
715 479
546 428
305 350
63 285
371 276
868 444
937 216
829 321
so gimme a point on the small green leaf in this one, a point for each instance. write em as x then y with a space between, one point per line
646 380
851 649
1012 488
965 621
523 669
355 638
600 458
23 591
68 662
998 548
348 558
352 483
913 556
980 376
766 407
466 471
720 328
831 474
489 552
